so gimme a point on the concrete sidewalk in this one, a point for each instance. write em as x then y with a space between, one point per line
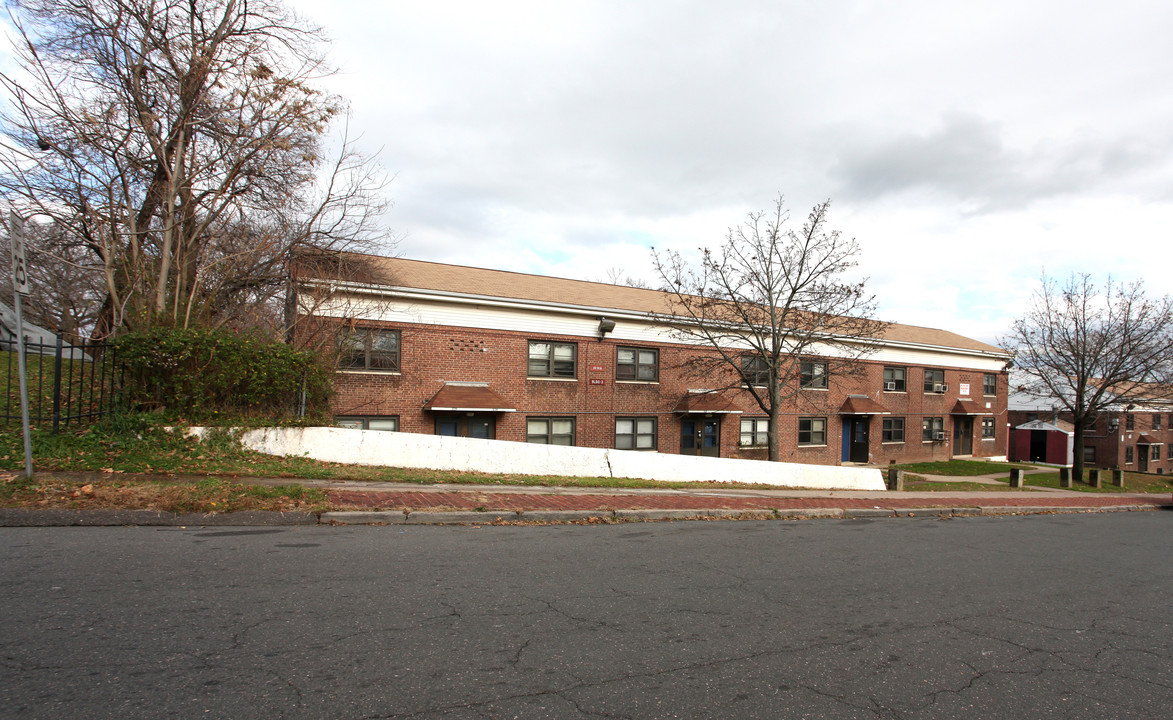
396 503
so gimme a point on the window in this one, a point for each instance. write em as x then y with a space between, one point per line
1155 452
934 381
893 429
1129 421
1169 455
556 360
635 433
370 349
1128 455
990 384
1156 421
755 369
894 379
987 428
372 422
550 431
1089 454
637 364
814 374
812 431
932 428
754 432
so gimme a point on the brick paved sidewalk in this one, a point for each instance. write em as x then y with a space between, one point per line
468 500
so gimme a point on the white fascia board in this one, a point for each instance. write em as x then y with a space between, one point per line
889 351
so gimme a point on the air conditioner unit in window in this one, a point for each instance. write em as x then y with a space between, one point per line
938 436
940 387
1113 423
890 386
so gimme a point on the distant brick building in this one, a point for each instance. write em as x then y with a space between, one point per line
1134 433
450 350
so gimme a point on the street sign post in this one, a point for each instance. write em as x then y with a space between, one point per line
20 284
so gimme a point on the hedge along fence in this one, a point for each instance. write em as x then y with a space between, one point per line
205 374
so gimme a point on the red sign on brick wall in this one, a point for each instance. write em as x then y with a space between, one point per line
598 381
596 368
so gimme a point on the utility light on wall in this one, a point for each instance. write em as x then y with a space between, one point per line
605 326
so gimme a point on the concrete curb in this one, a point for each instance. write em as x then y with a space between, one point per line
23 517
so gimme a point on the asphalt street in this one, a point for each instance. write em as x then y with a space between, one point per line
1042 616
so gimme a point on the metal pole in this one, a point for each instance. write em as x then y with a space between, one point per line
20 286
24 392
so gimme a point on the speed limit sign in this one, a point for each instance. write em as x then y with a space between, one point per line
20 270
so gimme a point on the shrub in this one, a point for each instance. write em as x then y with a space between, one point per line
212 375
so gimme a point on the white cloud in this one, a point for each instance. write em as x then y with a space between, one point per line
966 146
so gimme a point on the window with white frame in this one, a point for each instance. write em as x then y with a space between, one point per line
934 380
990 384
549 431
755 432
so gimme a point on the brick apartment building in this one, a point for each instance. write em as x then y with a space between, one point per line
1134 433
451 350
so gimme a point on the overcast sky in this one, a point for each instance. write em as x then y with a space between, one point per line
967 146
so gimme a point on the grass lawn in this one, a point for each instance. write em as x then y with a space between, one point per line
919 484
960 467
135 445
1133 482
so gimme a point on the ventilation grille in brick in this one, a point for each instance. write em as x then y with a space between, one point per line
457 345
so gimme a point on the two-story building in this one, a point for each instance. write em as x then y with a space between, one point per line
1134 432
452 350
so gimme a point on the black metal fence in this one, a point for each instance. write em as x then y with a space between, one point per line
67 382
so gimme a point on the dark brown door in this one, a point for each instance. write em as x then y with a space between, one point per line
1142 457
858 450
963 436
700 437
473 425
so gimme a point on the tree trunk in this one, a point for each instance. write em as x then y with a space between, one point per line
1077 453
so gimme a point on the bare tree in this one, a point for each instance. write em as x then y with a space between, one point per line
64 288
619 276
181 143
1087 347
767 300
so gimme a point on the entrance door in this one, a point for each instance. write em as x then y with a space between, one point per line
963 436
474 425
858 449
1142 457
700 437
1038 446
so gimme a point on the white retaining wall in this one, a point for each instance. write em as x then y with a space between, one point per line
373 447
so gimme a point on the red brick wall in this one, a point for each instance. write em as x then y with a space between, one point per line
1110 440
431 355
